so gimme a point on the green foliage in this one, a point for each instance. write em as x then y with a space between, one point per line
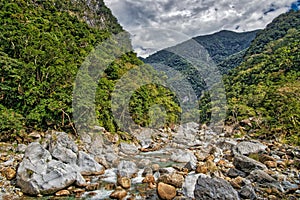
266 88
11 123
275 30
225 48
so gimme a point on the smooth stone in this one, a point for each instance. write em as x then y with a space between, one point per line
165 191
246 148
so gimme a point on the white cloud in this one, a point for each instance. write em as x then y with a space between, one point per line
189 18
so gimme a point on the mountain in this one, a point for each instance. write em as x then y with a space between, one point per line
43 47
225 48
264 90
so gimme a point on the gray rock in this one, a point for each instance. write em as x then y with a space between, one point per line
63 148
264 179
245 148
189 184
246 164
214 188
21 148
260 177
128 149
112 159
247 192
38 173
96 145
87 165
191 165
127 169
183 156
187 134
226 144
232 173
147 171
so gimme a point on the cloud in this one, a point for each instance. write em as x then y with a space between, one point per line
190 18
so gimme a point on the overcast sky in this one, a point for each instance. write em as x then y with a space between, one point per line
157 24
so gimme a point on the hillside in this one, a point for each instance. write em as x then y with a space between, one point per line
265 88
225 48
42 46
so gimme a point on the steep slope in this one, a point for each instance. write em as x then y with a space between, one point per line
42 46
265 88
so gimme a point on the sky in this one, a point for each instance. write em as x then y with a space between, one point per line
157 24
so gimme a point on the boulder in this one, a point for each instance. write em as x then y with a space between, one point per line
246 148
127 169
124 182
129 149
189 184
119 194
38 173
165 191
172 179
187 134
214 188
247 192
246 164
87 165
183 156
63 148
45 171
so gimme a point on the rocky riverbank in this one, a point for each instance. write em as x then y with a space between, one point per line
189 163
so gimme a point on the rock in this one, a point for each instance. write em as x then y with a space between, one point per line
87 165
172 179
201 168
38 173
265 179
271 164
35 135
235 173
189 184
9 173
150 180
92 186
147 171
246 164
144 162
124 182
112 159
247 192
187 134
62 193
237 182
21 148
63 148
191 165
119 194
246 148
155 167
94 143
214 188
165 191
127 169
183 156
260 177
129 149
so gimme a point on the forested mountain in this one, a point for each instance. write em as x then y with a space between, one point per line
226 49
262 81
265 88
42 46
